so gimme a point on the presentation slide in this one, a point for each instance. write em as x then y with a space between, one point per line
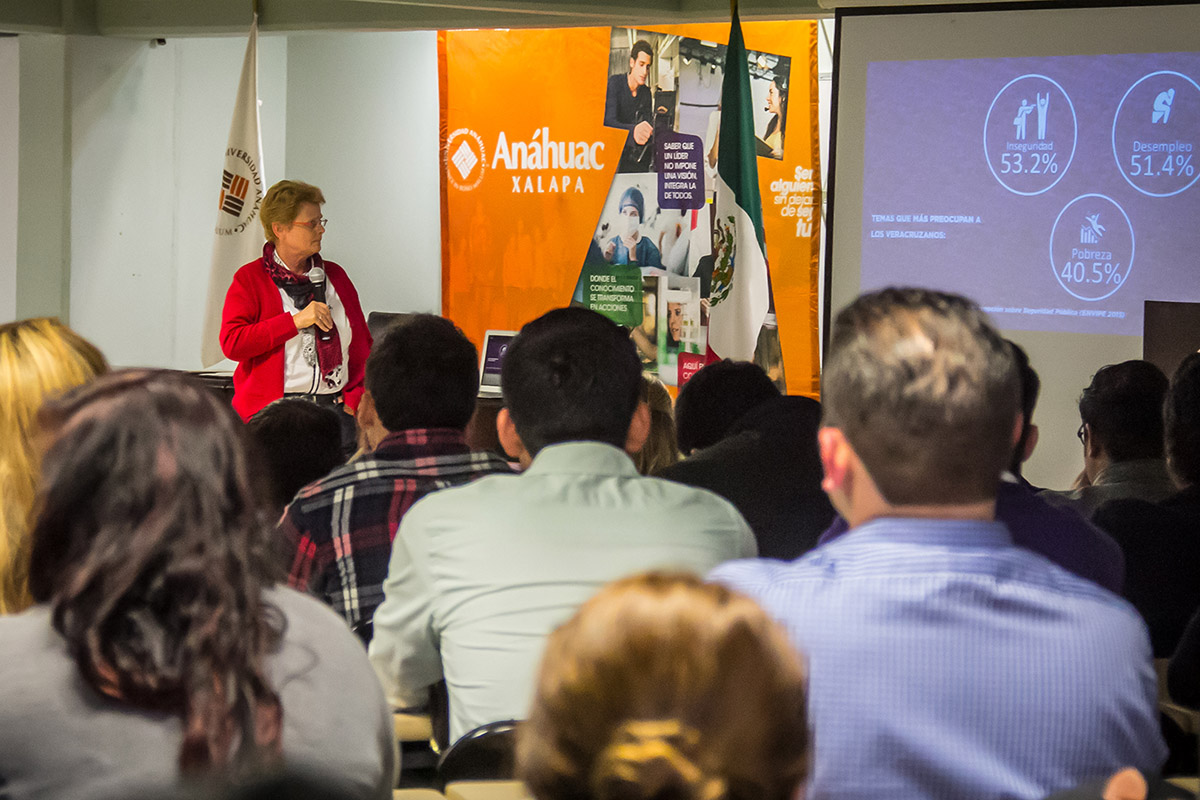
1039 160
1059 192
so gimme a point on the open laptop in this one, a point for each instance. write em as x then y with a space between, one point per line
495 344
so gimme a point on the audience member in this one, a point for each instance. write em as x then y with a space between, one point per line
1182 422
661 449
765 461
1161 541
159 648
1031 387
421 383
38 359
715 398
945 662
665 687
1060 534
300 440
1183 672
480 574
1122 436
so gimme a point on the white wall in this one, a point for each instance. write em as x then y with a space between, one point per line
355 113
43 250
202 133
148 129
363 115
10 70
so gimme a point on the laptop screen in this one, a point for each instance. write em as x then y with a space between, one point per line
495 344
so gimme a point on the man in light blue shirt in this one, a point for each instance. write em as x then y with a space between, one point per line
945 662
481 574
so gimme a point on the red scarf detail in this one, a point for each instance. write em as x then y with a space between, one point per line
300 289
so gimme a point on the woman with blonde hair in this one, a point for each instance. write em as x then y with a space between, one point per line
663 686
39 358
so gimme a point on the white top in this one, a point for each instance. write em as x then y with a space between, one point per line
481 574
299 375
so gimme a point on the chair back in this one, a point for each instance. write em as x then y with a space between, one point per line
484 754
378 322
364 630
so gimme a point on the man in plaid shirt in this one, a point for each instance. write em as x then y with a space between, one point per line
421 383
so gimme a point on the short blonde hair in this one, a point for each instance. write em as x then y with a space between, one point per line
39 358
665 686
283 201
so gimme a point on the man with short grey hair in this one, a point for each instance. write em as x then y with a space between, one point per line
944 661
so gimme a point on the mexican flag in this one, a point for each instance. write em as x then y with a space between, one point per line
740 296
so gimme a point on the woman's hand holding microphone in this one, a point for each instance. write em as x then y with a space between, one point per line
313 314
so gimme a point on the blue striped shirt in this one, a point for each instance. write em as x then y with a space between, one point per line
946 663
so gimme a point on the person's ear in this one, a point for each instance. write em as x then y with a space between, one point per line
278 228
847 482
1030 443
510 440
1091 445
639 429
370 429
366 406
836 456
1017 426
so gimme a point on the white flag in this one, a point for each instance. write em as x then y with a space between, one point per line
239 234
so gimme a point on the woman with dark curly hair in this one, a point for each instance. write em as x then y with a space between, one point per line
160 648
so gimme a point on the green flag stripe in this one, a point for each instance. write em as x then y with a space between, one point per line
736 159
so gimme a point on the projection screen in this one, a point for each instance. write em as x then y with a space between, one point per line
1042 161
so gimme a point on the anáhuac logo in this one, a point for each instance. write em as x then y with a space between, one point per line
241 192
539 165
465 159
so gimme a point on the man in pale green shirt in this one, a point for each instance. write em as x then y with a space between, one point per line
481 574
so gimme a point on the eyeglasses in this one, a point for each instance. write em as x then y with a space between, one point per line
316 223
1080 433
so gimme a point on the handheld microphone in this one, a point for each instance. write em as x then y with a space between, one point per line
316 276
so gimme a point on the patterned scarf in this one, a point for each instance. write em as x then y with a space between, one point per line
328 354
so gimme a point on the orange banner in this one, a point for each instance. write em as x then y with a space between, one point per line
528 165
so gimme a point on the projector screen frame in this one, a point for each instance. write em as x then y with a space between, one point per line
844 11
1057 410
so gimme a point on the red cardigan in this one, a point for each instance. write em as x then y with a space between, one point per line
254 327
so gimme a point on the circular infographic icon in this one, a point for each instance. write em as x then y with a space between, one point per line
1091 247
1155 133
1029 135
